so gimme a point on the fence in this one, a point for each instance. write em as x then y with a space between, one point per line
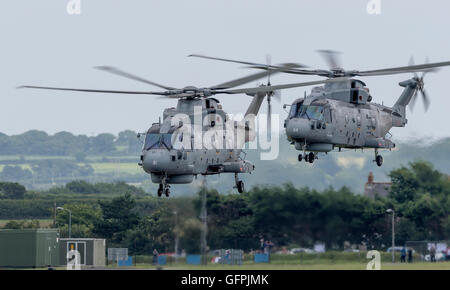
422 249
231 257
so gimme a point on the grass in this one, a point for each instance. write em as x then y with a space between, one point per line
326 261
320 266
31 157
23 166
116 168
97 162
281 267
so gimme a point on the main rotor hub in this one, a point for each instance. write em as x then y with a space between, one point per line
190 89
338 72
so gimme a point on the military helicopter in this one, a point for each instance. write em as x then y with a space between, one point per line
341 114
170 154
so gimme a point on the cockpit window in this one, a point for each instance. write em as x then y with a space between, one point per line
313 112
295 109
167 140
152 140
158 141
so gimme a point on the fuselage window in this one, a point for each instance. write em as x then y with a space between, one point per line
328 117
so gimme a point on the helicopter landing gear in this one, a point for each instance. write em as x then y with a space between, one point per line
167 191
310 157
300 157
378 158
239 184
164 188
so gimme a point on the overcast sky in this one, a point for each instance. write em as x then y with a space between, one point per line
41 44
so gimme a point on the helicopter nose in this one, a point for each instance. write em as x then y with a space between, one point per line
156 161
298 128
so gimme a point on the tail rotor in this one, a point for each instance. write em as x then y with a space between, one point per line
420 88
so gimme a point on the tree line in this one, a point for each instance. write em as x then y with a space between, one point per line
287 215
36 142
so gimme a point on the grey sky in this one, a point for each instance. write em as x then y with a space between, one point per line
43 45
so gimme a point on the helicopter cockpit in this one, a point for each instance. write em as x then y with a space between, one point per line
172 140
311 112
317 111
158 141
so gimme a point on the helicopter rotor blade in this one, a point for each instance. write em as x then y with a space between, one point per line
412 102
266 89
426 100
177 96
411 63
270 97
427 67
331 58
268 62
249 78
250 64
427 60
243 80
121 73
94 90
269 115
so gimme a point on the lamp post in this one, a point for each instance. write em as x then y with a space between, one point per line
391 211
204 218
70 219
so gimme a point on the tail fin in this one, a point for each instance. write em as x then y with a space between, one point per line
255 105
405 98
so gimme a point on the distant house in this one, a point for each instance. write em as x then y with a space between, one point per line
371 189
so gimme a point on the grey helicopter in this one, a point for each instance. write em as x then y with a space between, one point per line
341 114
169 152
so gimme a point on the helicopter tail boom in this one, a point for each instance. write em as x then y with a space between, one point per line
405 98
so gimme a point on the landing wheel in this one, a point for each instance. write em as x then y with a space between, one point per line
167 192
300 158
311 157
240 186
379 160
160 190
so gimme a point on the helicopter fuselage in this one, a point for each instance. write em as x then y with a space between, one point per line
341 115
193 140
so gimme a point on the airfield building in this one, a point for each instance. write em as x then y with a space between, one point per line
29 248
372 188
92 251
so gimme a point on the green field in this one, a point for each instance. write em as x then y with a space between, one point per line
337 266
23 166
262 267
320 266
116 168
101 164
